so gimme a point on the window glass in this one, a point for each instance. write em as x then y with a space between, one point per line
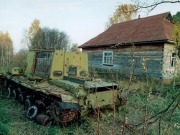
108 57
43 61
173 58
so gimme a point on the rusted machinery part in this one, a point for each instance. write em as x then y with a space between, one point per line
68 116
43 119
64 113
65 116
122 101
32 112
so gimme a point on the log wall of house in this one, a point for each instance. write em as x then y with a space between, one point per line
141 61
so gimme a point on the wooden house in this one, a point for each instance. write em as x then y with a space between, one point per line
142 47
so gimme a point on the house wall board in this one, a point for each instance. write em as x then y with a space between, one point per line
126 60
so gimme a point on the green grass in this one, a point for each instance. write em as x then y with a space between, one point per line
160 98
13 119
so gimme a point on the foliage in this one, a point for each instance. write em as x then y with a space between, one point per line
32 33
6 49
176 17
124 12
176 31
47 38
53 38
19 59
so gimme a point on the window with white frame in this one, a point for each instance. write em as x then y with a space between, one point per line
108 57
173 59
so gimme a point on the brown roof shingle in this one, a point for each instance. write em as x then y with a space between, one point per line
153 28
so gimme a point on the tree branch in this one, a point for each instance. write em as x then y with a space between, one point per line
161 113
157 3
154 5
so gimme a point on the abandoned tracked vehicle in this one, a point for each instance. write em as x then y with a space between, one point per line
55 87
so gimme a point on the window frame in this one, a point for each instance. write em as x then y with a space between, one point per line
110 58
172 60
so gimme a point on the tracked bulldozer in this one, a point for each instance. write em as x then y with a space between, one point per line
55 87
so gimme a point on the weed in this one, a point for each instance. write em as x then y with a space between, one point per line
14 122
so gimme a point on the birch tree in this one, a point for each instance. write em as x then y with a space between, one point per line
6 49
34 34
124 12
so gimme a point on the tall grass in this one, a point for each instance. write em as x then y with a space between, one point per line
13 119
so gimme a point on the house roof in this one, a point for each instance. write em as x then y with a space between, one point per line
148 29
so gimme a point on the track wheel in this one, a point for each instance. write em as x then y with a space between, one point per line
21 98
19 90
5 83
8 92
27 103
49 113
42 119
32 111
14 94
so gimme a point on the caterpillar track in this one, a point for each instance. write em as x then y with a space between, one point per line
42 100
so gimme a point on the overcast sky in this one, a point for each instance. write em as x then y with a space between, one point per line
81 20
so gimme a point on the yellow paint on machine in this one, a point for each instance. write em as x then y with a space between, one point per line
57 65
30 62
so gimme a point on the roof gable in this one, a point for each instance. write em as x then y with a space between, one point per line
153 28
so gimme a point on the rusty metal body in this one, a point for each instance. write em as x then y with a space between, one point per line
56 87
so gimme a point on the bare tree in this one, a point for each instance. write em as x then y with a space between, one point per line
74 48
25 42
47 38
151 5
